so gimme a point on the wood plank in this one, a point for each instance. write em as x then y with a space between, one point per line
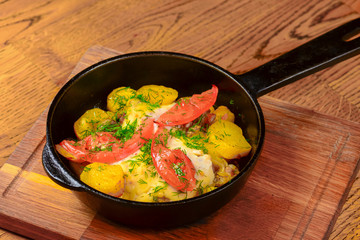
296 190
354 4
20 110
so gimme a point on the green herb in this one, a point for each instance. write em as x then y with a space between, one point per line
184 180
100 168
121 100
159 188
153 173
141 181
152 106
86 133
194 142
133 164
96 149
123 133
227 134
177 168
200 189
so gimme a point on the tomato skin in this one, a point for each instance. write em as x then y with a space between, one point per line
188 110
172 165
70 150
113 150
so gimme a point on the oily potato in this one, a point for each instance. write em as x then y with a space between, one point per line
157 94
135 110
90 120
226 140
223 113
119 97
105 178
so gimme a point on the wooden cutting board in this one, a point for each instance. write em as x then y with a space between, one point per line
297 188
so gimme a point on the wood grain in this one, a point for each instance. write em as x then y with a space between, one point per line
354 4
185 26
42 41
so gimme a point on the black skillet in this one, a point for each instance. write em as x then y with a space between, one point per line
188 75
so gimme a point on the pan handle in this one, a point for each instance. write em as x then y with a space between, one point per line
317 54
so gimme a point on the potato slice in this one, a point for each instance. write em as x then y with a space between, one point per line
227 140
90 120
105 178
136 110
118 98
157 94
223 113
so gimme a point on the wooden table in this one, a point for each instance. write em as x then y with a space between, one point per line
42 41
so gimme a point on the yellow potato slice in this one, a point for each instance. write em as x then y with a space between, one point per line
90 120
157 94
136 110
223 113
118 98
105 178
226 139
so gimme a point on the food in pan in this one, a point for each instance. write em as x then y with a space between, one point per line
150 146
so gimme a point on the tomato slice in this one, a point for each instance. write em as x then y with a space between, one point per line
71 150
143 134
104 147
187 110
172 165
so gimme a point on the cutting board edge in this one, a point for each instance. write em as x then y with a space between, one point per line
342 200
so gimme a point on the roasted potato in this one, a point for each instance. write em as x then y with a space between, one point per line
226 139
105 178
90 120
223 113
157 94
119 97
136 110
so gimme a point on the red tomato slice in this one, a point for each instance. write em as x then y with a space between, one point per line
188 110
143 134
104 147
71 150
173 165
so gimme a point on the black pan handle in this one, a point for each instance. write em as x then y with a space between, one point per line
317 54
57 171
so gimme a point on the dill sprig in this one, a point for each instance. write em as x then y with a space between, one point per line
121 132
194 142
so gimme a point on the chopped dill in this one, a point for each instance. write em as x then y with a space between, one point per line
87 169
142 181
195 142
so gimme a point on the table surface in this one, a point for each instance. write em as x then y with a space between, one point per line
41 42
